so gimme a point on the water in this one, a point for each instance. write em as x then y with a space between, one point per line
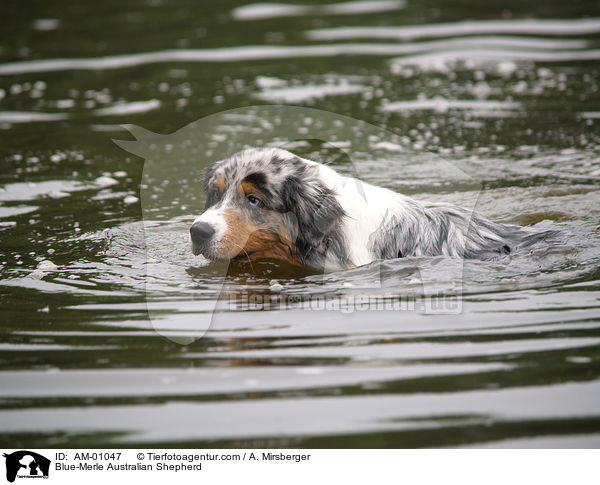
494 105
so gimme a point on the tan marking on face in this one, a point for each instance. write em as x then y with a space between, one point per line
244 238
246 188
221 184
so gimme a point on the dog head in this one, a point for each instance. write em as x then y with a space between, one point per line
267 203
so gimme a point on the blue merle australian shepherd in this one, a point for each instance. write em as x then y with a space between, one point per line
271 204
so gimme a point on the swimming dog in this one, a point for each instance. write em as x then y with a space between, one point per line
269 203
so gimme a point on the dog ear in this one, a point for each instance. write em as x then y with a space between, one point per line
315 207
208 173
212 195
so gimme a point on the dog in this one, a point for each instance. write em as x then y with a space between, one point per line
267 203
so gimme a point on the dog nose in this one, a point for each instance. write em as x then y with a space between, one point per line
201 231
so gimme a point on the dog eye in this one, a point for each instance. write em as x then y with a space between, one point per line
253 201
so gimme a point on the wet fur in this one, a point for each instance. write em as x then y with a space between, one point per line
312 216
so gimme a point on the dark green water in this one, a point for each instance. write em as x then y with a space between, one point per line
508 92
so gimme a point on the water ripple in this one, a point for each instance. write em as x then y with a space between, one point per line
259 11
409 32
499 47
